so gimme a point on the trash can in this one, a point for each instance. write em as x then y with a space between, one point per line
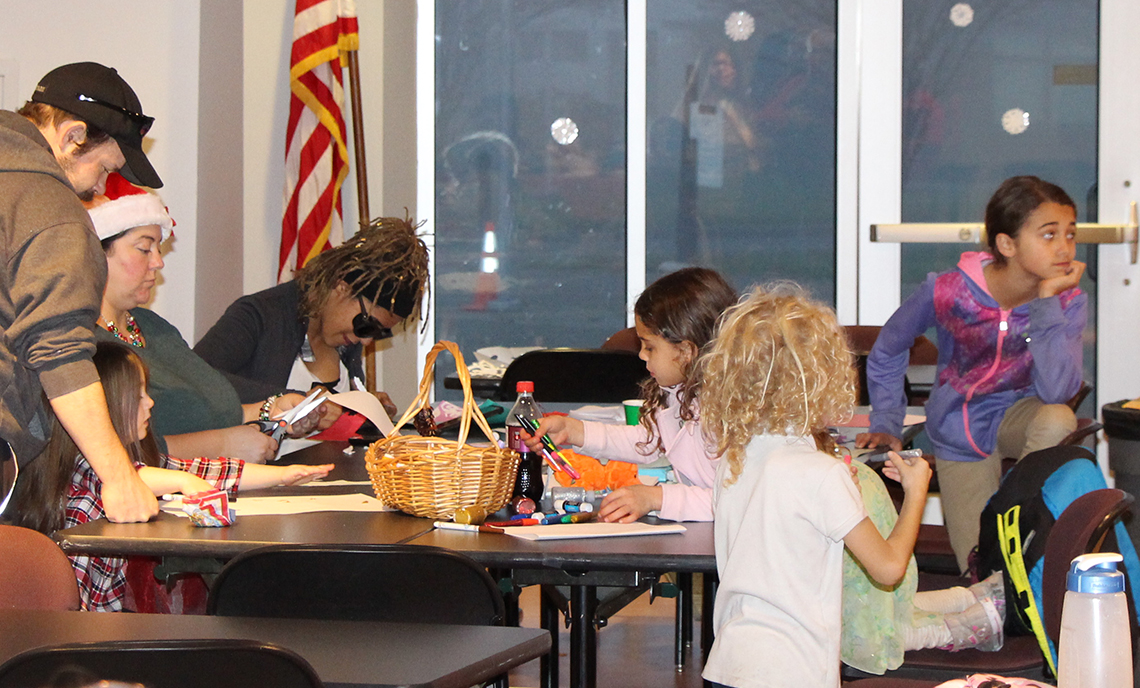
1122 428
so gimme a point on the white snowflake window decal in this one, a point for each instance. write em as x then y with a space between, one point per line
739 26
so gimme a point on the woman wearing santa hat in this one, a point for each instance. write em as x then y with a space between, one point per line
197 411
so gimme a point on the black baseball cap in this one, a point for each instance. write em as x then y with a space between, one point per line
99 96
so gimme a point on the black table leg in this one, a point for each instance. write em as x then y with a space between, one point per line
549 618
583 636
708 597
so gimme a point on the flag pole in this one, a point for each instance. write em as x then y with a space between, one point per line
365 216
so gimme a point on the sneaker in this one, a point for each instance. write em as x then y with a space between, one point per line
992 588
980 627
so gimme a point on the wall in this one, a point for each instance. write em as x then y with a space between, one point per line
155 47
386 33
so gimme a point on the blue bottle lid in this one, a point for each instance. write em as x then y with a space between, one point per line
1096 573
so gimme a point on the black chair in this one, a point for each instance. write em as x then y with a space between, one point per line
576 375
397 583
163 663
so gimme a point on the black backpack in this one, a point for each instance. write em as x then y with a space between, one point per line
1020 500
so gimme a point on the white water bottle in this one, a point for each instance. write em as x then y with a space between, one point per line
1095 648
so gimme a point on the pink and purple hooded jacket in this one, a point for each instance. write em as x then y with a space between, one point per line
988 358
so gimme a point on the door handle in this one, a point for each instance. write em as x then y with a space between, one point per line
975 233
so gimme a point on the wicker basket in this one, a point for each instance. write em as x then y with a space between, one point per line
432 477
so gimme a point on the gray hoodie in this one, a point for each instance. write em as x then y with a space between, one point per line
52 273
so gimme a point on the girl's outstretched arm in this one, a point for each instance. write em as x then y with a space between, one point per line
257 476
886 560
166 481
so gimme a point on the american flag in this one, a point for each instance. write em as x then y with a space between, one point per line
316 157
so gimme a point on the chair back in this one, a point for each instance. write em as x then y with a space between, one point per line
624 340
576 375
396 583
1080 529
34 572
861 339
161 663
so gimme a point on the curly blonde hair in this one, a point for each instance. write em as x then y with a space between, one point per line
780 365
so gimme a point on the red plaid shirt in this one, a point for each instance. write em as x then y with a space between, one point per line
102 581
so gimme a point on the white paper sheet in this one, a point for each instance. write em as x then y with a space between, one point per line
367 404
302 504
571 531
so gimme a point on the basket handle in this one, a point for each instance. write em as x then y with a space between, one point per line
470 408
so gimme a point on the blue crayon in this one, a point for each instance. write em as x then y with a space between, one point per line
552 519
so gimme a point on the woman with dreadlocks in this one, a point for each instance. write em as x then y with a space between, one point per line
311 331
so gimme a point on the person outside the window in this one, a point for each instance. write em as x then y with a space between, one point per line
83 122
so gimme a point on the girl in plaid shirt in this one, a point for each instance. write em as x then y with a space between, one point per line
60 489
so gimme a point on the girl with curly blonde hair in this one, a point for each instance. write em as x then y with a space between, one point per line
776 376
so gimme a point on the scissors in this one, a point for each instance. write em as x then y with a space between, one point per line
276 428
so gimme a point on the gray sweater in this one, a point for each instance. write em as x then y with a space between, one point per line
52 273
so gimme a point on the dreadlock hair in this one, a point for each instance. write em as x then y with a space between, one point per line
385 263
683 306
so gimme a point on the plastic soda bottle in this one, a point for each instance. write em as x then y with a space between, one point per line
528 483
1095 648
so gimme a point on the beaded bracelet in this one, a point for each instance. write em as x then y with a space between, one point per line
267 406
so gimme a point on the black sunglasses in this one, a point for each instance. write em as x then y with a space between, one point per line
140 120
367 327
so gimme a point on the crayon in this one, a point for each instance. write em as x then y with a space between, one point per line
447 525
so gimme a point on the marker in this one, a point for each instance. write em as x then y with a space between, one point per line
448 525
910 455
513 522
549 449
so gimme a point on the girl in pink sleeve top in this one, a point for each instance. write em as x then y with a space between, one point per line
675 318
683 446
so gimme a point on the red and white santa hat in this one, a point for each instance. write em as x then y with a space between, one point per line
127 207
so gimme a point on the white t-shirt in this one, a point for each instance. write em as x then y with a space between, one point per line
302 379
779 533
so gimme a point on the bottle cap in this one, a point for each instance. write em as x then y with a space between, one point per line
1096 573
524 386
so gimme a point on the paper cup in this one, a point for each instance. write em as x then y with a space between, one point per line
632 410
